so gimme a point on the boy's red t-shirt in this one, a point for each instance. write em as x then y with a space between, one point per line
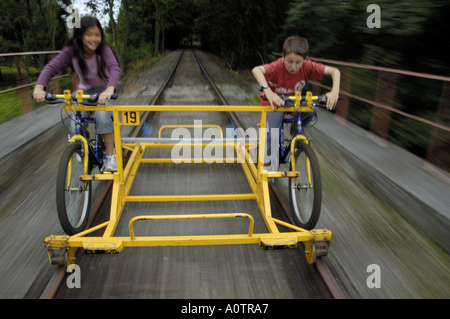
282 82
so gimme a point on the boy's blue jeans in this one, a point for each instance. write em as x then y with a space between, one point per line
274 120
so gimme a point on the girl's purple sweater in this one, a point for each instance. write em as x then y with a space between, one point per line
67 58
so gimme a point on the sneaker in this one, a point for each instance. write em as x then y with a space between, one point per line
110 164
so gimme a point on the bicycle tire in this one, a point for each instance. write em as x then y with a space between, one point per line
73 204
305 200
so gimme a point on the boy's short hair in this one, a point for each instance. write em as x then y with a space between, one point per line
297 45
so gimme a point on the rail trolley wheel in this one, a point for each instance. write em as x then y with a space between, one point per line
310 252
305 198
73 197
314 250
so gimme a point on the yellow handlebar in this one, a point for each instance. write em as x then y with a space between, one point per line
308 98
68 95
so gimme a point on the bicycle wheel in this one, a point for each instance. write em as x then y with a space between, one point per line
305 198
73 197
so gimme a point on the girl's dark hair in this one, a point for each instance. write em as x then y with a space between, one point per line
85 23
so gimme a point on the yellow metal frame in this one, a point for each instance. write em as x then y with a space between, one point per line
123 179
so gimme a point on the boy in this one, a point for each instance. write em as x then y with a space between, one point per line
286 76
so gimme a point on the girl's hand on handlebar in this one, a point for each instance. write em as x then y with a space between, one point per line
332 98
39 93
106 95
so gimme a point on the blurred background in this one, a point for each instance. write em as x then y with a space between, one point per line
413 36
382 204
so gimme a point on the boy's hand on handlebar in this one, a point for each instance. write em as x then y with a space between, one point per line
274 99
106 95
332 98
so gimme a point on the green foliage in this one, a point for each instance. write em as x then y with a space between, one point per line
9 106
364 84
241 32
411 37
326 26
142 52
30 26
253 100
410 134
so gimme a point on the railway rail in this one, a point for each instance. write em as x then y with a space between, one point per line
321 269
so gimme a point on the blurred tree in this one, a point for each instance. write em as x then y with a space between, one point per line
412 36
241 32
329 28
30 26
179 25
107 7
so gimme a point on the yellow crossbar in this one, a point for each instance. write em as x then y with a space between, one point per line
189 198
206 216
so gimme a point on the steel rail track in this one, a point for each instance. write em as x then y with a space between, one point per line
56 288
322 265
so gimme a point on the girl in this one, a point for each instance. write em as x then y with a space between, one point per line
98 71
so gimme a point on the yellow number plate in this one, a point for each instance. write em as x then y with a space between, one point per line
130 118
